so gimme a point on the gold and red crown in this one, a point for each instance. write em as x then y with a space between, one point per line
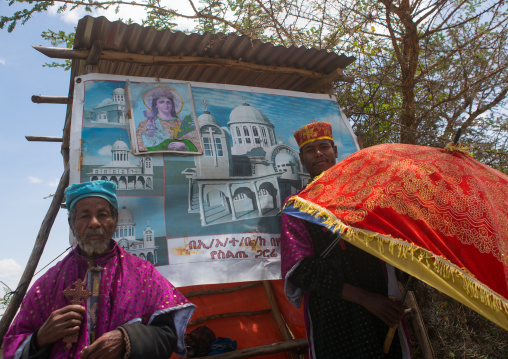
312 132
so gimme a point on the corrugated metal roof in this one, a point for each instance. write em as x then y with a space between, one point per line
209 52
135 39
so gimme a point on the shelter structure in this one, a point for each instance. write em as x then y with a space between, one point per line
105 47
256 314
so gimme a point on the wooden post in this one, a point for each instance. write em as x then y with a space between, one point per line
227 315
51 99
278 316
94 56
222 290
293 345
419 327
44 138
155 60
33 261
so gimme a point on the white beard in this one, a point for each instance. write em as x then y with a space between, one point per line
91 249
95 247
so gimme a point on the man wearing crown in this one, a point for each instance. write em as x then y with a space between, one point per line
344 290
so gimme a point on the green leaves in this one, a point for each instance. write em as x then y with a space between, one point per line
420 70
23 15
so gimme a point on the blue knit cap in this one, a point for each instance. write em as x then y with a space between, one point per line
103 189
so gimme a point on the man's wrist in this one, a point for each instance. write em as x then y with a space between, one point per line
32 349
38 343
127 342
355 294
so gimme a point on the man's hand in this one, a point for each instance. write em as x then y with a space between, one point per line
110 345
384 308
379 305
60 324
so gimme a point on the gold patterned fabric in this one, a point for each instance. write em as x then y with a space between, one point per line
437 214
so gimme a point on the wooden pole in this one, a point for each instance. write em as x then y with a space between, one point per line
419 327
327 80
391 332
222 290
95 53
65 151
227 315
297 344
33 261
108 55
44 138
277 316
51 99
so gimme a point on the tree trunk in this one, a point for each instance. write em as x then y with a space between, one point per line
408 64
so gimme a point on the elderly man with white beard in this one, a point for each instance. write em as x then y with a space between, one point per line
99 301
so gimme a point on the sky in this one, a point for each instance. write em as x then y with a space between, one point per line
31 170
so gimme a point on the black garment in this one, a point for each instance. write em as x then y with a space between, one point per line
342 329
157 340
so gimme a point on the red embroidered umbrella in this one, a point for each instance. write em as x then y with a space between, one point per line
437 214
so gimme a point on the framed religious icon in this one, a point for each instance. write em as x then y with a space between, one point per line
163 119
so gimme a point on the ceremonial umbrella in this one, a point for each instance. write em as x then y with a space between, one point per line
437 214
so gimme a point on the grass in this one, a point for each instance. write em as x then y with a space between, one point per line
456 331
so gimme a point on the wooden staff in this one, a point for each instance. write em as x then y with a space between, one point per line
392 330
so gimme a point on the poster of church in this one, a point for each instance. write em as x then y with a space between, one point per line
214 215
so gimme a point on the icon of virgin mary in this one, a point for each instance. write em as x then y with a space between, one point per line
162 129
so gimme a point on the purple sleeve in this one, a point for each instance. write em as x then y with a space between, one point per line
296 244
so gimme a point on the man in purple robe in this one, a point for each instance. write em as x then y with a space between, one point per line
344 289
127 309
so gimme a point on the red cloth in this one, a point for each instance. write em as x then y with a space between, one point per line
442 201
248 331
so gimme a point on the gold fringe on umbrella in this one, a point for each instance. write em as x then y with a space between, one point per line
432 269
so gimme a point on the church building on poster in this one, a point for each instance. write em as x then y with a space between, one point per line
244 172
125 236
111 111
120 170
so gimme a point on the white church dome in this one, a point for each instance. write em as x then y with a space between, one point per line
247 114
119 91
120 146
283 158
125 217
207 119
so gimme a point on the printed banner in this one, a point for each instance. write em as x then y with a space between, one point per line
202 178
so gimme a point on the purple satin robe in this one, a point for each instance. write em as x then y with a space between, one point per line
131 291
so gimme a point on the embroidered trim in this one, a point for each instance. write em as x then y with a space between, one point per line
408 251
316 139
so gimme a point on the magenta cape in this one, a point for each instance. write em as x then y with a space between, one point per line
131 291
